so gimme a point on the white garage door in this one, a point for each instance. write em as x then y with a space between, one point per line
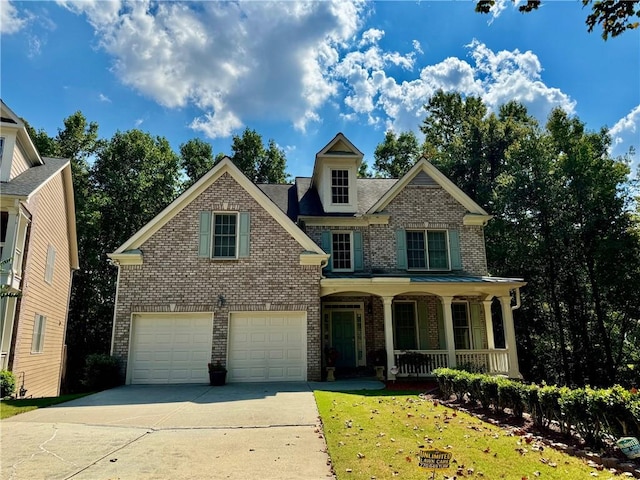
170 348
267 346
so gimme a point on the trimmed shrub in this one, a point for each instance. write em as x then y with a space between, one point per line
7 383
101 372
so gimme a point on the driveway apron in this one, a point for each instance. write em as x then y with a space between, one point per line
238 431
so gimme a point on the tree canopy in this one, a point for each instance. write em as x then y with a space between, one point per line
614 16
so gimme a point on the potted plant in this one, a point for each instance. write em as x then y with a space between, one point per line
332 359
217 374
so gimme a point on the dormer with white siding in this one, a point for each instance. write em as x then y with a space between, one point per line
17 152
335 173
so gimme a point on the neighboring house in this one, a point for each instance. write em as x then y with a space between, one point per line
274 281
39 254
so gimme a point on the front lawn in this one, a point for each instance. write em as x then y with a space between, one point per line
9 408
379 435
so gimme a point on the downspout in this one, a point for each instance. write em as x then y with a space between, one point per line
115 307
518 303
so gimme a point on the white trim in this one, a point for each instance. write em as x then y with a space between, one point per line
37 339
331 307
476 219
224 166
355 221
126 258
424 165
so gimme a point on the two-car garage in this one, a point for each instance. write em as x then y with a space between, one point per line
168 348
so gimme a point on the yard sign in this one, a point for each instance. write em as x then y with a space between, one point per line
434 459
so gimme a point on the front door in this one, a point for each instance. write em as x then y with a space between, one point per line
343 337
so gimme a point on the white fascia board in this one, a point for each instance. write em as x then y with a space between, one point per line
314 259
476 219
126 258
358 221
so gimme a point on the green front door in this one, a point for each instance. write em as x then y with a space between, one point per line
343 338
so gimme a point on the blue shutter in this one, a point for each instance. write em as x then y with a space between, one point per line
401 249
454 245
204 248
478 327
243 235
358 257
326 246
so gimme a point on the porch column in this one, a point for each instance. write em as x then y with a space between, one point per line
388 336
448 331
510 336
488 320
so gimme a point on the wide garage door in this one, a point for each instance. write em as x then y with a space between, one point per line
170 348
267 347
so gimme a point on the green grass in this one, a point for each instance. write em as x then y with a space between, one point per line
9 408
381 434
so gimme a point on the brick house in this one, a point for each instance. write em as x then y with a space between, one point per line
39 252
278 281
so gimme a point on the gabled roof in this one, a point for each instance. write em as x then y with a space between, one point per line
224 166
339 146
8 119
433 175
32 179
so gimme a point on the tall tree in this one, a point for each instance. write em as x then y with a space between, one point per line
615 16
396 155
259 164
196 159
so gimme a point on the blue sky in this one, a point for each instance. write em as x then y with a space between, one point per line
301 72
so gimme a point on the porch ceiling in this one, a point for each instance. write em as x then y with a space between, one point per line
440 285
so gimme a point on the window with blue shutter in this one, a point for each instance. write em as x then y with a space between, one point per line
326 246
358 254
224 235
204 249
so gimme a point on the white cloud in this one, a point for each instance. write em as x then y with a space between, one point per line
103 98
232 60
625 134
241 62
12 21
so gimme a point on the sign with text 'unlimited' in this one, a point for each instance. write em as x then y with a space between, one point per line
434 459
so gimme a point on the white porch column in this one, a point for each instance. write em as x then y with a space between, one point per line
448 331
488 320
510 336
388 336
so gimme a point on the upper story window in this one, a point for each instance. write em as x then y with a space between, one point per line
427 250
4 223
49 267
342 251
224 235
340 186
345 248
37 342
225 230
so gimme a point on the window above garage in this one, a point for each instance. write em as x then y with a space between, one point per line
224 235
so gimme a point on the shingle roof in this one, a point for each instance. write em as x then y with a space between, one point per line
284 196
370 190
426 278
30 180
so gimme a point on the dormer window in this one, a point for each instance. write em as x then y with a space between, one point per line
340 186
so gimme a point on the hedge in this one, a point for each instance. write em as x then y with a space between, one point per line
597 415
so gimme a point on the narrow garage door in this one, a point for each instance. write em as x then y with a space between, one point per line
170 348
267 346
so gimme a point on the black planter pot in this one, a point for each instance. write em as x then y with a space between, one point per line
217 377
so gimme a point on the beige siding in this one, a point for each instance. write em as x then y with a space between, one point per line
174 278
19 163
48 227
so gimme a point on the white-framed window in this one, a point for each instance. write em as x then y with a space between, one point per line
405 325
427 250
342 251
339 186
461 325
39 326
225 235
50 265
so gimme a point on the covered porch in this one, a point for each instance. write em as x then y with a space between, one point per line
411 326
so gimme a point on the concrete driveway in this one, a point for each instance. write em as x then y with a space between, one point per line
241 431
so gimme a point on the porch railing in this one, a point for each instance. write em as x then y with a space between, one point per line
422 365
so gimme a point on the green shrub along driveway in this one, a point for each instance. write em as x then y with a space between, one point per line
381 435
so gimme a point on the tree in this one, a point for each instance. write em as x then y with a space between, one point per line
196 159
615 16
396 155
259 164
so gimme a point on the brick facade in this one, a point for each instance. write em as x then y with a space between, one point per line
173 276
